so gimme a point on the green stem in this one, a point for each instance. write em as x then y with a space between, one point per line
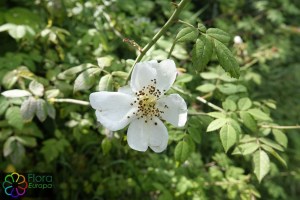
194 113
281 127
74 101
210 104
186 23
172 48
158 34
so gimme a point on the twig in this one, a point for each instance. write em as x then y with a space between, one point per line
210 104
158 35
74 101
281 127
196 113
172 48
186 23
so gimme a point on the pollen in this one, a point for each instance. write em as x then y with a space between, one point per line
146 102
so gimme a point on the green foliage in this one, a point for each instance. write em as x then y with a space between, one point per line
232 146
187 34
261 164
202 52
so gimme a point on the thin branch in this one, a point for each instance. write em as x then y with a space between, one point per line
172 48
210 104
193 113
74 101
158 34
186 23
281 127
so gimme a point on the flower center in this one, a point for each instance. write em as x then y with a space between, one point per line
145 101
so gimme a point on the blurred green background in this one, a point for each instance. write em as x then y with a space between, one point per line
40 39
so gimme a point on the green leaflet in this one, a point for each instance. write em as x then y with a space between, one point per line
227 60
228 136
202 52
219 34
261 164
187 34
181 151
105 83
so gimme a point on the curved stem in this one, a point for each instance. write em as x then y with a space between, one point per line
281 127
186 23
158 34
194 113
74 101
172 48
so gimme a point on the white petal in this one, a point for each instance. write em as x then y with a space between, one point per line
154 134
126 90
142 74
158 140
137 138
113 109
166 74
174 109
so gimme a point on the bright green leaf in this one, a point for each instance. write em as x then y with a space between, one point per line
280 137
208 87
52 93
105 83
271 144
229 105
258 114
209 75
235 125
244 103
182 151
246 148
228 136
261 164
248 121
216 124
14 118
74 70
217 114
104 61
275 154
86 79
229 88
120 74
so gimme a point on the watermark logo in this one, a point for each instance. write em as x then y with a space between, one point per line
15 185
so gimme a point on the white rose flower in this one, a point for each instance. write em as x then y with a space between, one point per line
143 105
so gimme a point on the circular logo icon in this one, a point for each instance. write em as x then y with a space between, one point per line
15 185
